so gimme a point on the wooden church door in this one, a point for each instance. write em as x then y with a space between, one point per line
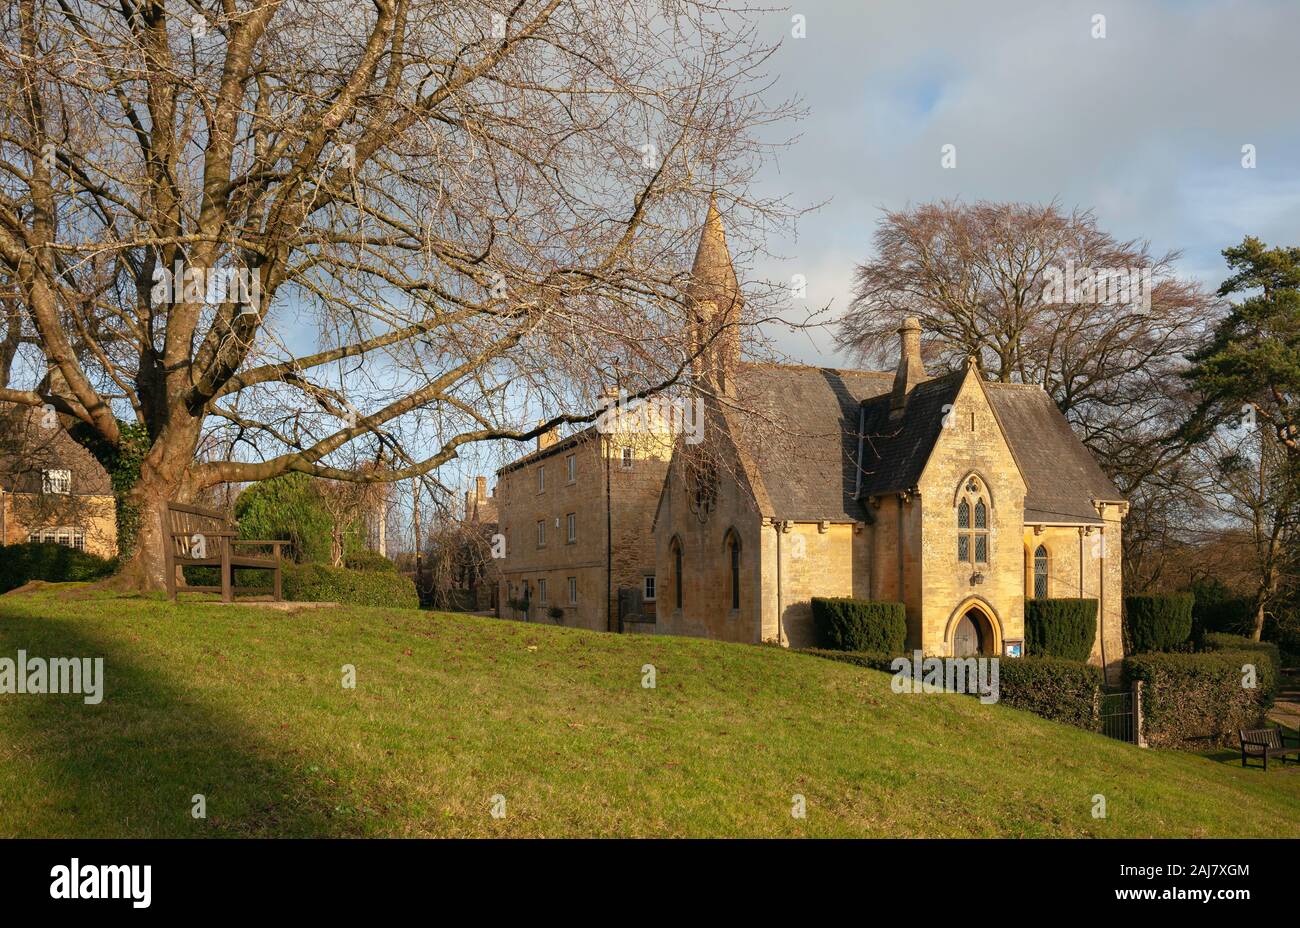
966 638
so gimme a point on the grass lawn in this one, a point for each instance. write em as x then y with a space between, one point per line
245 706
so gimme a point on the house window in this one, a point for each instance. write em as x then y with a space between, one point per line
572 519
56 481
677 572
573 590
973 525
571 466
541 533
1040 572
733 545
68 537
650 589
627 457
541 479
541 591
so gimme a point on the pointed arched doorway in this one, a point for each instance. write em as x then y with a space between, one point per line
966 638
973 631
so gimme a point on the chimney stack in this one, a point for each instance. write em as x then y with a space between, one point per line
911 370
475 498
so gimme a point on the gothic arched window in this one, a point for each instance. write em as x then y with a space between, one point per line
973 533
733 563
677 572
1040 572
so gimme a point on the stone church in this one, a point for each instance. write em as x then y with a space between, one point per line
954 495
957 496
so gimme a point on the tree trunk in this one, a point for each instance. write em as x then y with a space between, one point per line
164 478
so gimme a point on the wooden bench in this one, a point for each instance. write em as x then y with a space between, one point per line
194 537
1266 743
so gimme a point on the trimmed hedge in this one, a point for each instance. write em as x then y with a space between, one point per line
319 583
1064 628
1055 688
1158 621
52 563
369 560
1217 641
845 624
1194 701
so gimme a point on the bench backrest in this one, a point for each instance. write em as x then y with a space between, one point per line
193 522
1268 736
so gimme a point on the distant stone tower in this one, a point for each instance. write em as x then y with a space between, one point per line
715 306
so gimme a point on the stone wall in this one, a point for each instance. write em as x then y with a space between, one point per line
706 609
522 502
1085 563
94 515
808 559
896 557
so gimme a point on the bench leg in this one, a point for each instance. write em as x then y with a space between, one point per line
227 573
278 595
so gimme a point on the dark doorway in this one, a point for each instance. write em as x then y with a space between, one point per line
966 637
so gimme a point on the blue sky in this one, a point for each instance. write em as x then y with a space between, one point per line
1144 126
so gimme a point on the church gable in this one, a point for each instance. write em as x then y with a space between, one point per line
970 439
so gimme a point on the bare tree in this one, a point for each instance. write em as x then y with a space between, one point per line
480 214
1250 481
1038 295
350 504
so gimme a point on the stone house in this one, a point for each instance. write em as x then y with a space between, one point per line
575 517
52 489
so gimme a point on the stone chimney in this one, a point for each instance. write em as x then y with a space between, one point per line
911 370
547 438
480 488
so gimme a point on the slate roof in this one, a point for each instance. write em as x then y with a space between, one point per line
796 427
894 452
1062 475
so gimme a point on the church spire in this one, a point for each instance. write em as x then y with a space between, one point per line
715 302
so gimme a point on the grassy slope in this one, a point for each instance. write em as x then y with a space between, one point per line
245 706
